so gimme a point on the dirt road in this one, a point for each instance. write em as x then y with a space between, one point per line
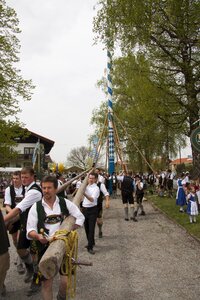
151 259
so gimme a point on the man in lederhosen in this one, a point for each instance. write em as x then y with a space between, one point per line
48 215
127 190
13 195
33 194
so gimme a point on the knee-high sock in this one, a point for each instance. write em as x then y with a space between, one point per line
132 212
27 259
100 227
28 262
126 212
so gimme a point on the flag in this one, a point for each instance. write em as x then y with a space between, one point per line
35 152
94 151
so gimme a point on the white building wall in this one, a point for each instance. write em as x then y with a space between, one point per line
20 147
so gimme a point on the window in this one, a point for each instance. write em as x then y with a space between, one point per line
27 164
28 150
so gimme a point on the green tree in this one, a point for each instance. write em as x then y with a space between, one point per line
167 33
12 86
145 112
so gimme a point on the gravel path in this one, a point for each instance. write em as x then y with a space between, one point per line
151 259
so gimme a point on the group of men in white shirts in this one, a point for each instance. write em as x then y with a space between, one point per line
39 207
39 200
26 200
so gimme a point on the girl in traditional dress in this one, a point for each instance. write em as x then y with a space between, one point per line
192 208
180 196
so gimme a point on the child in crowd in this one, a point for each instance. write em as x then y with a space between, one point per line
192 208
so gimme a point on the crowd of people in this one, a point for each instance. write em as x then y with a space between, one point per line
32 206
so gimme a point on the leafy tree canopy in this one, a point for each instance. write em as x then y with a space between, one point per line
167 34
12 86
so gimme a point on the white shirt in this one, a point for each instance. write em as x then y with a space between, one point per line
113 178
92 191
120 178
163 175
31 196
103 189
140 185
78 184
185 180
18 193
101 178
171 176
33 216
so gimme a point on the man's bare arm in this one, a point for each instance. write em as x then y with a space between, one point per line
13 213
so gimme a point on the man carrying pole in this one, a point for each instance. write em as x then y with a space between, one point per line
90 210
44 219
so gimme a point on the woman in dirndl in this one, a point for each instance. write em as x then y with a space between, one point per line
180 196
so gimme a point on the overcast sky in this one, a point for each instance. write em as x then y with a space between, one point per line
58 54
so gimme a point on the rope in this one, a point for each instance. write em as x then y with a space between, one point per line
134 144
100 142
118 148
68 268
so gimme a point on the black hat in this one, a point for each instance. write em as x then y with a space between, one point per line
58 175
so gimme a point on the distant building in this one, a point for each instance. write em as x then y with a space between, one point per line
185 160
26 147
73 169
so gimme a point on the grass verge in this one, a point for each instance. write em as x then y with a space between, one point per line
169 207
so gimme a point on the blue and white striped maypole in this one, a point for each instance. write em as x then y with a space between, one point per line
111 146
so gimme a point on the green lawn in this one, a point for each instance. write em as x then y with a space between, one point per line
168 206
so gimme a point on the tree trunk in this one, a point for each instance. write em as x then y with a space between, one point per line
51 261
193 120
195 172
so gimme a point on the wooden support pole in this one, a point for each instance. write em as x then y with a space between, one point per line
100 141
66 184
51 261
134 144
118 148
